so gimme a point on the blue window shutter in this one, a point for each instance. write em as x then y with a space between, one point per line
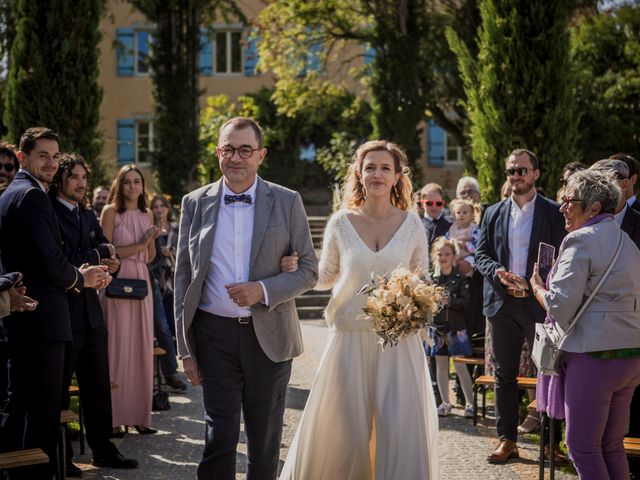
206 53
369 54
436 144
313 63
251 55
125 51
126 141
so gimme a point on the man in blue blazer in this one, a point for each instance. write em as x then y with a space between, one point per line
508 247
31 243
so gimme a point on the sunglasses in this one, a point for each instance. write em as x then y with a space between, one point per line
431 203
9 167
522 171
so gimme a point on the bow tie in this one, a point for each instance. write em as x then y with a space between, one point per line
237 198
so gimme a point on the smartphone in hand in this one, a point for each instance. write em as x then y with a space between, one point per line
546 254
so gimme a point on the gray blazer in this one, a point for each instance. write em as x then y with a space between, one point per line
612 319
280 227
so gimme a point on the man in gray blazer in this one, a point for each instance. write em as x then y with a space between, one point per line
236 322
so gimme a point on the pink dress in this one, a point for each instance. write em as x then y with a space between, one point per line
130 327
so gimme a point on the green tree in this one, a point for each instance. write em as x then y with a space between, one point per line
605 55
53 74
339 113
304 41
174 75
519 88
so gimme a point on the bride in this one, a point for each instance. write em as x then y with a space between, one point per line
370 414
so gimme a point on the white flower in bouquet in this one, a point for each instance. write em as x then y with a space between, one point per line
402 304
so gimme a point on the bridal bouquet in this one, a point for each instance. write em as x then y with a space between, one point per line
401 304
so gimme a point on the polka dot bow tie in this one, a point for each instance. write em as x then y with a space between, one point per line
237 198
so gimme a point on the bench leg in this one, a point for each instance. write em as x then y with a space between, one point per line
552 443
543 421
81 421
475 404
484 402
62 453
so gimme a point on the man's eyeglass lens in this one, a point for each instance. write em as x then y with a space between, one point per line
9 167
522 171
431 203
244 151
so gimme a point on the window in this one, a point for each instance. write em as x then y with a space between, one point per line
142 44
144 141
453 151
228 52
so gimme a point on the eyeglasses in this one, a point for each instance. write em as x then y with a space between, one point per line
522 171
564 201
431 203
9 167
468 191
244 151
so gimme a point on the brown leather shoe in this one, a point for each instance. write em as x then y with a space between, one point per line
559 458
506 450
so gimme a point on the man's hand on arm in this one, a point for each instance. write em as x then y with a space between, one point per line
245 294
95 276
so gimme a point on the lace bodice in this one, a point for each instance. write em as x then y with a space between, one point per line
347 263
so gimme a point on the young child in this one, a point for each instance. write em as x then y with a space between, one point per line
465 232
450 336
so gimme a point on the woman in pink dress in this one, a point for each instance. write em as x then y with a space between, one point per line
128 224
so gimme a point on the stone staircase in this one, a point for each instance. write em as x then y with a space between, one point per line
311 305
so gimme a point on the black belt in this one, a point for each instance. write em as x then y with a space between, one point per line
240 320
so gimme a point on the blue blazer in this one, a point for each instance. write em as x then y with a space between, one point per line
493 248
31 243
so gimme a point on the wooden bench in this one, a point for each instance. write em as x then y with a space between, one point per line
66 416
22 458
485 381
632 446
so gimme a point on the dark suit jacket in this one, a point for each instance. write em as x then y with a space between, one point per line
31 243
631 225
636 205
442 226
493 247
84 243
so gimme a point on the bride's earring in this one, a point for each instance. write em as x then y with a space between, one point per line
395 190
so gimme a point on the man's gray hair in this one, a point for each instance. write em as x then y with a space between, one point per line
595 186
467 181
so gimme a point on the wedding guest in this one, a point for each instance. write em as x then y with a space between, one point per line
600 354
358 385
162 269
87 356
568 170
634 169
465 231
509 236
8 164
31 243
450 335
235 313
468 188
100 195
417 204
434 220
127 223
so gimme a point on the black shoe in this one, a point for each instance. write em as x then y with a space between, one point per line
115 460
174 382
118 432
73 470
145 430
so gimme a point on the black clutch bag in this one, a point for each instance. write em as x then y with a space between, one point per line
129 288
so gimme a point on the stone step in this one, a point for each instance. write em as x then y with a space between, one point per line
310 313
314 300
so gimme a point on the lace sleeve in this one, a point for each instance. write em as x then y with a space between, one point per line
420 257
329 265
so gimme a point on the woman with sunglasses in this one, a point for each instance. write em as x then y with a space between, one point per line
8 164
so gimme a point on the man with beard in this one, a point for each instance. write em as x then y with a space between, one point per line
87 358
508 247
31 243
100 195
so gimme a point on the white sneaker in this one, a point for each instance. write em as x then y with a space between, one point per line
469 411
444 409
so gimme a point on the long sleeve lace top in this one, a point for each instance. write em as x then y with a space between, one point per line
347 263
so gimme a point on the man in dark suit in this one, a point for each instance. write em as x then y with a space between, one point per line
509 236
634 170
434 220
87 358
31 243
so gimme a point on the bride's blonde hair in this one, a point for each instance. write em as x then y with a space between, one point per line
353 193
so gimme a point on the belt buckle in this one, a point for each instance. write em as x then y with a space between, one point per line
244 320
519 293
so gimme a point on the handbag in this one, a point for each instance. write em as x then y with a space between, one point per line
546 353
127 288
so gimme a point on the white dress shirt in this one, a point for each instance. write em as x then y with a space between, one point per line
230 255
620 215
520 224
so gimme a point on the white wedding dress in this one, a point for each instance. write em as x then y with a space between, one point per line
370 414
